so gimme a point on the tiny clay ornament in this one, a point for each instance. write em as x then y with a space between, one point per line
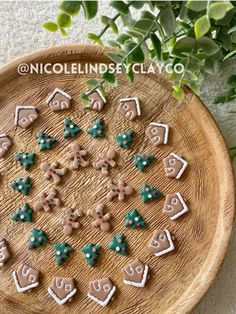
135 274
161 242
5 144
101 291
97 128
59 100
149 193
70 129
118 244
26 160
174 166
119 190
106 161
52 171
25 116
77 155
21 185
143 161
125 139
47 200
25 277
158 133
62 251
5 253
134 219
129 107
23 214
44 140
91 253
70 220
62 289
37 238
96 101
101 220
175 206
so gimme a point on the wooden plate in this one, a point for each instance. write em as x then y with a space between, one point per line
177 281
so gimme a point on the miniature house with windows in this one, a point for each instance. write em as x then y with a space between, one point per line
129 107
59 100
96 100
25 115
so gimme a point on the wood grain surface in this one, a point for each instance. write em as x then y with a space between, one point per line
177 280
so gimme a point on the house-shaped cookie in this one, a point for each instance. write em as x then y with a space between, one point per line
101 291
25 278
59 100
62 289
129 107
96 100
161 242
25 115
135 274
174 206
157 133
5 144
174 166
4 252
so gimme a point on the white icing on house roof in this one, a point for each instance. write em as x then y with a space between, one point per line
57 90
2 135
166 127
18 109
136 100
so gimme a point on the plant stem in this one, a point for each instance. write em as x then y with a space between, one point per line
232 148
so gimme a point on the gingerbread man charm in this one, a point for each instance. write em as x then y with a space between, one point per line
77 155
119 190
70 220
106 161
101 219
51 170
47 200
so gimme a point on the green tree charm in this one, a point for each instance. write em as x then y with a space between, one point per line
37 238
91 253
45 141
62 251
97 128
23 214
70 128
142 161
149 193
118 244
21 185
26 160
125 139
134 220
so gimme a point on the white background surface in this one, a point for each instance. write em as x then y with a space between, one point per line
21 32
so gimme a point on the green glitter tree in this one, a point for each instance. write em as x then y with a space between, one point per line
21 185
118 244
134 219
91 253
62 251
142 161
23 214
97 128
26 160
70 128
149 193
37 238
125 139
45 141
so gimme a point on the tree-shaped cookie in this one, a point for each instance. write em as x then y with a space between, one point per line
97 128
134 220
91 253
44 140
23 214
62 251
149 193
125 139
70 128
142 161
37 238
26 160
21 185
118 244
77 155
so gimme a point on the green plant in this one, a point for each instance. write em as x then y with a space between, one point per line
197 34
230 94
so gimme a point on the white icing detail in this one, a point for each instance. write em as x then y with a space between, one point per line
171 244
57 90
98 91
68 287
31 278
63 301
55 103
3 135
18 109
19 288
129 270
106 287
98 287
32 117
138 284
139 269
166 127
25 270
136 100
184 210
105 302
58 283
1 256
185 163
64 105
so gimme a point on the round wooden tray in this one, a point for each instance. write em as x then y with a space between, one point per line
178 280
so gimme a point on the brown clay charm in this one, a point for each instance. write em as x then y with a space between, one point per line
106 161
51 171
119 190
101 291
101 219
25 278
96 101
59 100
129 107
47 200
5 144
4 252
157 133
70 220
161 242
77 155
174 206
135 274
174 166
62 289
25 115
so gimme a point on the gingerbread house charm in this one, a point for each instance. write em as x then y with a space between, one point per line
158 133
25 116
129 107
5 144
135 274
174 166
161 242
62 289
4 252
96 100
25 278
59 100
101 291
174 206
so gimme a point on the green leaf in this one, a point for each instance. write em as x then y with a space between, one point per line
135 34
232 81
113 43
90 9
96 39
92 82
147 15
231 30
211 66
135 52
120 6
63 32
202 26
208 46
122 38
102 90
130 74
184 45
167 20
116 57
156 45
229 55
63 20
233 37
219 100
178 93
85 99
113 26
165 56
50 26
109 78
196 6
142 26
70 7
218 10
137 4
